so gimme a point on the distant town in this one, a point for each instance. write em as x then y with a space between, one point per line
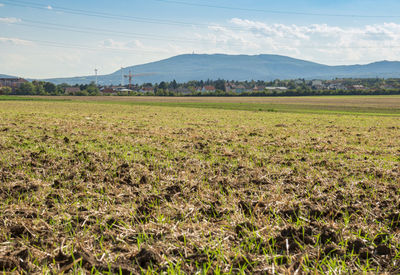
297 87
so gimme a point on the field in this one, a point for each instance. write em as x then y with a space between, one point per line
210 185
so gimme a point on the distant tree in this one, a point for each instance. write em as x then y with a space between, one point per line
39 89
26 88
5 91
162 85
220 85
148 84
173 84
82 93
92 89
50 88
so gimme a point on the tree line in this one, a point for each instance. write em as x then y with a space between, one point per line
48 88
221 88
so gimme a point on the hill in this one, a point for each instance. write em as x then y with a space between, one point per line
6 76
188 67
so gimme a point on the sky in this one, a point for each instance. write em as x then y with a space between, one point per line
64 38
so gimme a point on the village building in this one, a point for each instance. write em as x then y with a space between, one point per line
336 86
276 88
298 81
72 90
240 89
208 89
183 90
230 86
358 87
108 91
13 83
147 90
317 84
258 88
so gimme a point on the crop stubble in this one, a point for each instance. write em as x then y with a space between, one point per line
133 188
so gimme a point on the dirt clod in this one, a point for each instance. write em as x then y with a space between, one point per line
145 258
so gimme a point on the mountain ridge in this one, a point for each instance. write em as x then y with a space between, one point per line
7 76
188 67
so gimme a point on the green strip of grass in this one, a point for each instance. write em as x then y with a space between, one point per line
269 107
256 107
25 98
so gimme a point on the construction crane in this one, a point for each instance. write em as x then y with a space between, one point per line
131 75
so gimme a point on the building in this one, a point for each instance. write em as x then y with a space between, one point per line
72 90
336 86
276 88
183 90
358 87
317 84
240 89
13 83
108 91
147 90
258 88
208 89
230 86
299 81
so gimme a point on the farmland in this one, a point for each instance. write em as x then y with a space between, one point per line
214 185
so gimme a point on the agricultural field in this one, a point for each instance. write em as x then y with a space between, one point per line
208 185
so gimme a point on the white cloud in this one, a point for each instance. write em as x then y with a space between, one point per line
49 7
9 20
1 5
318 42
15 41
131 46
323 43
117 45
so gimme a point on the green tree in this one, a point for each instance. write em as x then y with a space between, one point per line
61 88
163 85
5 91
26 88
173 84
82 93
39 89
220 85
50 88
92 89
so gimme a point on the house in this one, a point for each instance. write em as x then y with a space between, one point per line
258 88
240 89
147 90
183 90
299 81
108 91
230 86
276 88
208 89
317 84
72 90
336 86
13 83
388 87
358 87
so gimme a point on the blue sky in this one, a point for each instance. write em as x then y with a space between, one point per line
53 38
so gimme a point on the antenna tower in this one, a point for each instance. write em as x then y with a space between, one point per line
122 76
95 73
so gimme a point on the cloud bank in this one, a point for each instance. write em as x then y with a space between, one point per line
15 41
318 42
9 20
